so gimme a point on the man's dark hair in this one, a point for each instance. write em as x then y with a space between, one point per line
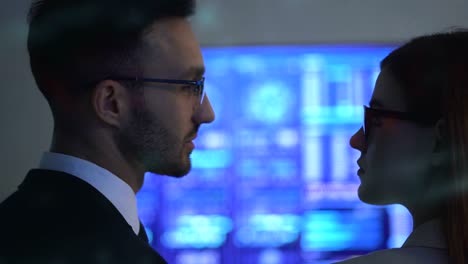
73 43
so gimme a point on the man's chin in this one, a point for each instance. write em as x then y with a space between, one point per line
177 171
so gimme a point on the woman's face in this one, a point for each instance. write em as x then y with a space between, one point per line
396 158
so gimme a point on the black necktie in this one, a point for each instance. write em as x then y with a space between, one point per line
142 233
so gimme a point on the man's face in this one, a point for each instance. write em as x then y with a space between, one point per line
164 123
395 159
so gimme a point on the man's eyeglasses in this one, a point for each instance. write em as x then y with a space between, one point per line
370 114
198 87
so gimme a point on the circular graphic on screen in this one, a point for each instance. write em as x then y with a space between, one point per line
270 102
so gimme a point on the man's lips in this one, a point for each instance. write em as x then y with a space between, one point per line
191 144
192 138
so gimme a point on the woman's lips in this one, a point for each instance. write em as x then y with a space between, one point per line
360 172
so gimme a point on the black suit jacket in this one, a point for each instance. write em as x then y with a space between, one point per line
55 217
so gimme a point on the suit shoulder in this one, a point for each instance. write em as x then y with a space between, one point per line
11 205
416 255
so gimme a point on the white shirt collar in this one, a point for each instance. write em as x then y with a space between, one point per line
429 234
118 192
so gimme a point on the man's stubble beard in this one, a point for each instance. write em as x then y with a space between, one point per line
146 142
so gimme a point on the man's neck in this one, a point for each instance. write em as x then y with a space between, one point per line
108 158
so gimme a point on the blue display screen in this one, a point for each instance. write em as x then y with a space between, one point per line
274 178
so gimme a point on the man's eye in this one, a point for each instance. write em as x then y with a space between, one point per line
193 89
196 89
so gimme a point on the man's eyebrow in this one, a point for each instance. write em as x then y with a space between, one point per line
195 72
375 103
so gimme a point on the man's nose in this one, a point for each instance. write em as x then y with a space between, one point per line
204 113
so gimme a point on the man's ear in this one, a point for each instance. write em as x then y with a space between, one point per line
110 102
440 149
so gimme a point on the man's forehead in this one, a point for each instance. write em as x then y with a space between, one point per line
164 25
170 33
171 45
